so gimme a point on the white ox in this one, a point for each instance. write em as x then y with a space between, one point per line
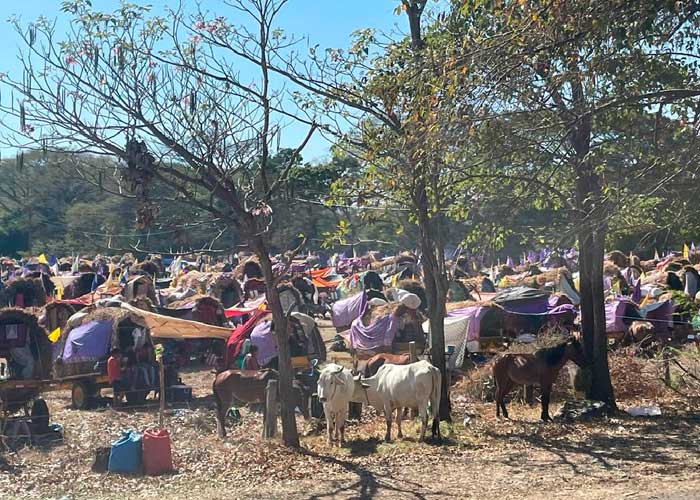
397 386
335 388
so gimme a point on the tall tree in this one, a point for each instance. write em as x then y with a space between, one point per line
183 101
564 68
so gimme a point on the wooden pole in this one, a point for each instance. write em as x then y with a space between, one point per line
412 351
162 393
270 417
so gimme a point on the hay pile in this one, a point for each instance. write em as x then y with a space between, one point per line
32 289
538 280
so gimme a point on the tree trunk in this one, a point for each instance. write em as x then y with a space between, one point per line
591 236
290 436
435 282
601 386
436 314
414 11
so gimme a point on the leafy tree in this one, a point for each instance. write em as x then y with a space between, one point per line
166 98
566 72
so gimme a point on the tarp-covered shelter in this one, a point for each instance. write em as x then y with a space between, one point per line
140 286
27 350
56 315
23 292
24 344
90 339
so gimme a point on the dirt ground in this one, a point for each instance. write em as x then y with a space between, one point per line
615 458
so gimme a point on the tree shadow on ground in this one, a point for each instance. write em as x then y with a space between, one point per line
651 441
368 484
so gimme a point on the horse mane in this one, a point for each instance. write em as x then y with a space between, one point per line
552 355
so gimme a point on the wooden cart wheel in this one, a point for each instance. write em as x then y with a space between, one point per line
82 394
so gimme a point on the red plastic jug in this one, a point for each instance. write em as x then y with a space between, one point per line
157 456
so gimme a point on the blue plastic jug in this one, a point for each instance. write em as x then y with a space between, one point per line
126 455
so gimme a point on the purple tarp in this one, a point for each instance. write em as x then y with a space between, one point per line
345 311
88 342
297 268
537 305
374 336
615 315
475 314
264 340
660 314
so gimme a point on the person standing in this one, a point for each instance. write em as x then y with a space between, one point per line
114 374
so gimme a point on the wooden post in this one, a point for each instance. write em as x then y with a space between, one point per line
412 351
270 417
161 369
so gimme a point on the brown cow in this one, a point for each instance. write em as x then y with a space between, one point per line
248 386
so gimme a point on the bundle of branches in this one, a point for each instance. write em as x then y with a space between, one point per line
634 377
478 383
686 307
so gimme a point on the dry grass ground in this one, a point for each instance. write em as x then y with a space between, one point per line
617 458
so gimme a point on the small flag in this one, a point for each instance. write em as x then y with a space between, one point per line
42 259
637 291
55 335
76 264
686 251
124 279
59 291
509 262
656 255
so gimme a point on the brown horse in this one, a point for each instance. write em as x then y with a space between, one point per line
248 387
540 368
384 358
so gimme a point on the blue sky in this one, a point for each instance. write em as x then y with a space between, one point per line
326 22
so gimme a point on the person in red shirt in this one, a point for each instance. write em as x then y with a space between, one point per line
114 374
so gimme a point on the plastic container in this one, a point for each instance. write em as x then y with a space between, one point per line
157 455
125 456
